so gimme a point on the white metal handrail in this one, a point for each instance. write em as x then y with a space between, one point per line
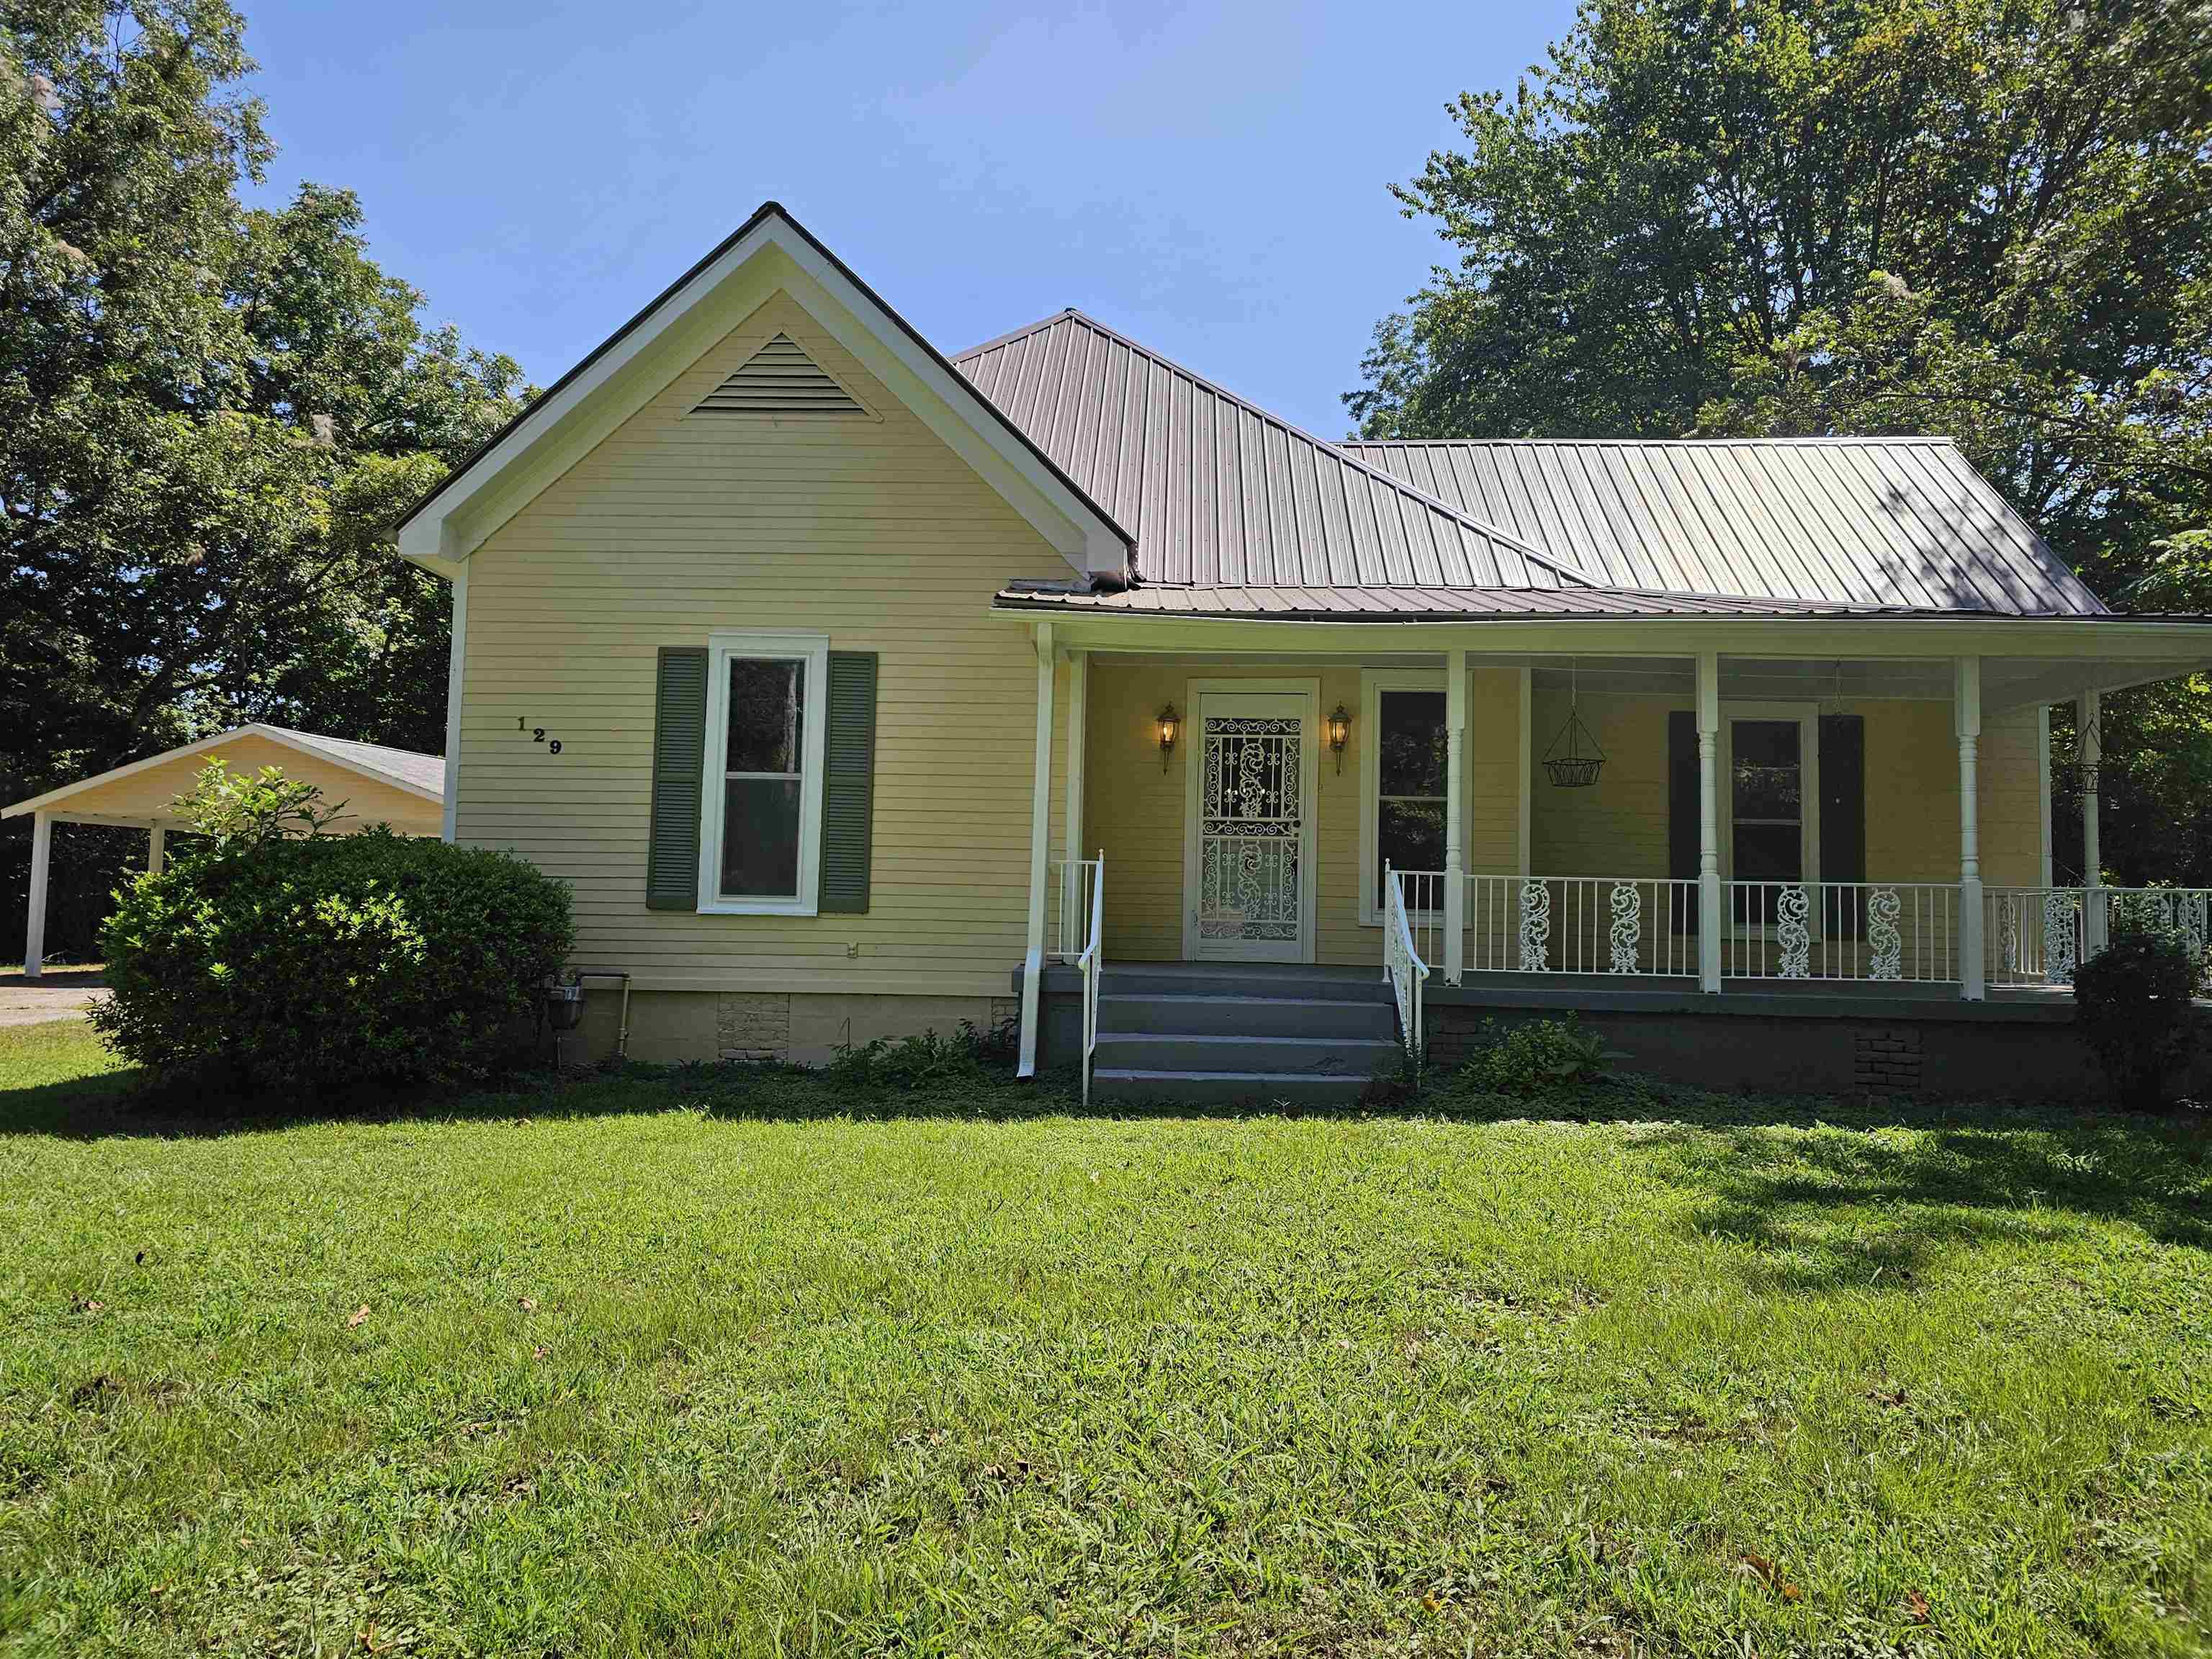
1902 931
1407 973
2040 935
1092 962
1071 882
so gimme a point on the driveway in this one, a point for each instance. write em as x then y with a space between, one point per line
58 994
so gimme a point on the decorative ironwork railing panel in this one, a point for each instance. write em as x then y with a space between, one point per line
1902 931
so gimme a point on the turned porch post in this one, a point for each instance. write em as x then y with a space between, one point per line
1967 713
1454 814
1709 821
1040 851
2090 743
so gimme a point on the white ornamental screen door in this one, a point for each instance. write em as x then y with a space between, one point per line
1248 858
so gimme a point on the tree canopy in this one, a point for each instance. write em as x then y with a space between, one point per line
209 415
1989 219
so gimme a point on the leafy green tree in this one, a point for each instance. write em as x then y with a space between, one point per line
208 418
1984 218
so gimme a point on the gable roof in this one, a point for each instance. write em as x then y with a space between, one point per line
1891 523
404 768
1217 491
981 432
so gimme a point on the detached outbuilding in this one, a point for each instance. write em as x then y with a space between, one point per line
377 785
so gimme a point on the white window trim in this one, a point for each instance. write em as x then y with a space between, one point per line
813 650
1807 716
1373 682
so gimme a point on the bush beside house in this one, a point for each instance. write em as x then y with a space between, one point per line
318 961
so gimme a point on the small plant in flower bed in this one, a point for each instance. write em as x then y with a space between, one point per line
276 957
1533 1057
927 1060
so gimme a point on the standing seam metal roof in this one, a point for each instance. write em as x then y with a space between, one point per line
1900 522
1217 491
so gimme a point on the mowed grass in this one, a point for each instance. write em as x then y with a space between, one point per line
729 1362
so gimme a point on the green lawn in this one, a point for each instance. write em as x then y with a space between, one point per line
719 1362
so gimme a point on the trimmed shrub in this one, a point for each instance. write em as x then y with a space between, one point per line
1533 1057
331 960
2132 1006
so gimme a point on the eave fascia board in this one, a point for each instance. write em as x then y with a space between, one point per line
2110 638
441 529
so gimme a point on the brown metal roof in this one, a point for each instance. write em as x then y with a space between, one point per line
1217 491
1881 522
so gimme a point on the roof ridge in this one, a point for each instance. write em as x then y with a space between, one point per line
1551 561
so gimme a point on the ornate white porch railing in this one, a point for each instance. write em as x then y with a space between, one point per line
2038 935
1423 894
1901 931
1401 962
1581 925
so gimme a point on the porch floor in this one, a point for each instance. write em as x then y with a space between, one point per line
1766 998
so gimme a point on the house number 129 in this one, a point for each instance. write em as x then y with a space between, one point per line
538 735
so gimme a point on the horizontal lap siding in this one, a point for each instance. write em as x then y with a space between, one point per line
871 532
1136 810
1618 826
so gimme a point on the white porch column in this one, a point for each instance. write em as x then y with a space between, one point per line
2043 792
1524 865
1454 814
1709 821
1039 852
34 930
156 849
2090 743
1073 898
1967 717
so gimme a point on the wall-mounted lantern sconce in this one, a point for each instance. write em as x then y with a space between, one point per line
1339 733
1169 720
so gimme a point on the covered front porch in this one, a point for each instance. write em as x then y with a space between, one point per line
1798 815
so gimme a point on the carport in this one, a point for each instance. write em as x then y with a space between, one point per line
377 785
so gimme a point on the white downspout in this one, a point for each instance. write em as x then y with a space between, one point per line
453 676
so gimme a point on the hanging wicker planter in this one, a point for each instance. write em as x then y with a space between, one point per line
1573 760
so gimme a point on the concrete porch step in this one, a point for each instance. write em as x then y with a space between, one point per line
1199 1053
1298 1016
1259 981
1226 1088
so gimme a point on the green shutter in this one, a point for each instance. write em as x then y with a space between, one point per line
679 752
848 787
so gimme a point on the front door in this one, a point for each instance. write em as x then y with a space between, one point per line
1249 861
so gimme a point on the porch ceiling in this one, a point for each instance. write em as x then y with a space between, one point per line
2007 681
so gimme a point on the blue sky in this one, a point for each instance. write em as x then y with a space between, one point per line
1210 179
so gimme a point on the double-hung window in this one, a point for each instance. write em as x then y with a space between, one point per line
761 810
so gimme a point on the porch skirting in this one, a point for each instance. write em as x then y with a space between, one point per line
1832 1040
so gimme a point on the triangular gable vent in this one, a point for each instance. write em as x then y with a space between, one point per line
780 378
